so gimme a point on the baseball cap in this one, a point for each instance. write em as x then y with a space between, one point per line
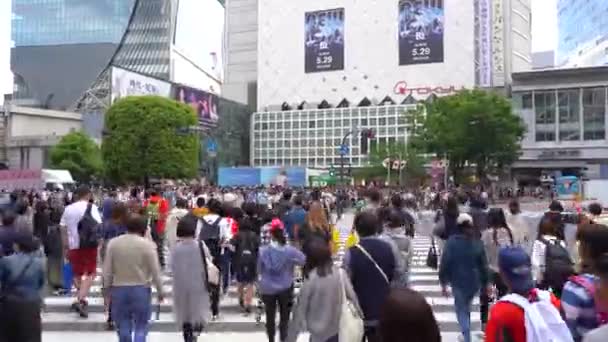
463 217
514 264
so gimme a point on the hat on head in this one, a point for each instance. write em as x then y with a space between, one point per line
463 217
514 264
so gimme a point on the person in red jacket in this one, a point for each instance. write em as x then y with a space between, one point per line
157 210
507 320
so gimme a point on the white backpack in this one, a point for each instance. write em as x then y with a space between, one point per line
543 321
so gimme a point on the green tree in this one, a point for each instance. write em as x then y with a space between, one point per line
473 128
143 140
79 154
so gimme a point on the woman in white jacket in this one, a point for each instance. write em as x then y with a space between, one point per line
176 214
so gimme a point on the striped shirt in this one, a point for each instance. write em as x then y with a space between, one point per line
579 308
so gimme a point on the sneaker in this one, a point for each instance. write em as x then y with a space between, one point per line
75 306
215 318
83 309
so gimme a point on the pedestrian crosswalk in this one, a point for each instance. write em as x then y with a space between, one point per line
58 317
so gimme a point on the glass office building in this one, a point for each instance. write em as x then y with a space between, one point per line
582 32
58 22
312 137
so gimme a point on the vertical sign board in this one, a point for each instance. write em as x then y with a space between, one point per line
324 40
484 8
498 56
421 27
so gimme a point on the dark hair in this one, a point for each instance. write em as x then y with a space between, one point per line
556 206
298 200
21 207
318 256
451 207
395 220
82 192
287 194
136 224
27 243
374 195
406 310
250 208
467 228
119 212
514 204
595 208
397 201
594 241
200 202
41 206
548 226
278 235
8 217
601 266
181 203
366 224
497 220
215 207
186 227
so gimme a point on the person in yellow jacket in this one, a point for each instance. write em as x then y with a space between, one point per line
351 240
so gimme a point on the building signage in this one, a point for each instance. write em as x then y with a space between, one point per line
559 154
402 88
498 57
420 31
485 43
324 40
126 83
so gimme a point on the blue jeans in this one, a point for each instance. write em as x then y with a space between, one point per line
131 310
225 263
462 304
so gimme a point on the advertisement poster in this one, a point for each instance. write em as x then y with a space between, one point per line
421 26
240 176
324 40
292 176
205 104
567 187
126 83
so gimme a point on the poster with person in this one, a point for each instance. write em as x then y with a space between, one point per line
204 104
324 40
421 27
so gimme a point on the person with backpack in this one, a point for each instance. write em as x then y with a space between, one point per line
498 236
80 225
246 245
157 210
526 314
551 261
585 296
215 231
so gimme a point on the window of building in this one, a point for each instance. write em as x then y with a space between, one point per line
526 101
544 103
594 112
311 124
373 122
288 125
296 125
569 114
279 125
264 126
364 122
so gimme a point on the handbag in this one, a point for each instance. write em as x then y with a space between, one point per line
212 273
431 258
351 322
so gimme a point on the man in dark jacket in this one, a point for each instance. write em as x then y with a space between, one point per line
7 233
372 266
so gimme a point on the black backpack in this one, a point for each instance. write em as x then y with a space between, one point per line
88 230
558 265
247 250
210 234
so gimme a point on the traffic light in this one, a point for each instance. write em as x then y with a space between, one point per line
366 134
332 172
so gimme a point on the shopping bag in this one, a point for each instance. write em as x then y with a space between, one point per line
431 258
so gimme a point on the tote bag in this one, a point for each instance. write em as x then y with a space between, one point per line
351 322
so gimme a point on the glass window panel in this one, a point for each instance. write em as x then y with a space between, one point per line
569 114
296 125
544 103
594 113
373 122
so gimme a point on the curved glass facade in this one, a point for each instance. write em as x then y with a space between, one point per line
58 22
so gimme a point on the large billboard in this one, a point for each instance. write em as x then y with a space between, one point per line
254 176
324 40
126 83
205 104
421 27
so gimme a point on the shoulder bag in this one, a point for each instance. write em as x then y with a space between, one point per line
7 287
212 273
351 322
432 261
373 261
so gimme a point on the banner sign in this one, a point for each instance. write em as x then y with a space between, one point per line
498 62
324 40
485 42
204 104
420 31
126 83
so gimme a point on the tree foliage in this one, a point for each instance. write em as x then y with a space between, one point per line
79 154
142 140
472 128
